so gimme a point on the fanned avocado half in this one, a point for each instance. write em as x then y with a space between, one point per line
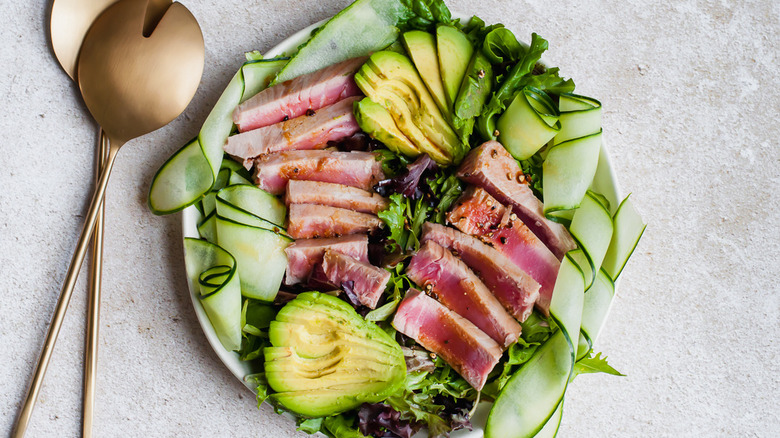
404 110
327 359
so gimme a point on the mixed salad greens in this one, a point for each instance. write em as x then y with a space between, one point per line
492 88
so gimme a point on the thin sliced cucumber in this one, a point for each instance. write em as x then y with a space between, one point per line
209 203
567 299
571 162
233 165
192 171
531 397
361 28
584 346
252 77
529 122
628 230
567 173
550 429
594 310
236 214
570 102
579 257
199 206
228 175
235 170
580 117
592 227
260 257
236 178
181 180
255 201
207 228
212 272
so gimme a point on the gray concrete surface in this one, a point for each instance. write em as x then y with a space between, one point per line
690 94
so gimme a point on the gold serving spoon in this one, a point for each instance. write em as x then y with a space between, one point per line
132 85
69 22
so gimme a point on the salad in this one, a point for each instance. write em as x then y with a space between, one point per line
399 222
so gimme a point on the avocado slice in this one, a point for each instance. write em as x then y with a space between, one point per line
474 92
455 51
321 402
475 88
390 80
421 47
326 359
377 122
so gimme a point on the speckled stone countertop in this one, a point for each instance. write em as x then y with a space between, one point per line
690 95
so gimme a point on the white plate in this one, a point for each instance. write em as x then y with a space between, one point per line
604 183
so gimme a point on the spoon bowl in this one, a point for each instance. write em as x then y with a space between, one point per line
134 84
70 21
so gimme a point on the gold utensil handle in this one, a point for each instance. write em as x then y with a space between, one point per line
67 290
93 304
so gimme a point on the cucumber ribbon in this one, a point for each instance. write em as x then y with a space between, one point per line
534 393
244 220
532 401
571 162
530 121
230 174
194 169
212 272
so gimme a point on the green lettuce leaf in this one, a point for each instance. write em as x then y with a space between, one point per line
424 15
500 45
261 386
404 217
310 425
394 217
549 81
448 188
532 168
417 400
510 85
341 426
398 284
595 364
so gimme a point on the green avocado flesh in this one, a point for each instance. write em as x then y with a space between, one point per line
455 52
327 359
391 80
421 47
377 122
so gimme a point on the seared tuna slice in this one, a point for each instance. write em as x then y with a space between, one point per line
335 195
515 289
368 281
332 123
354 169
458 288
479 214
466 348
295 97
491 167
304 254
309 220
